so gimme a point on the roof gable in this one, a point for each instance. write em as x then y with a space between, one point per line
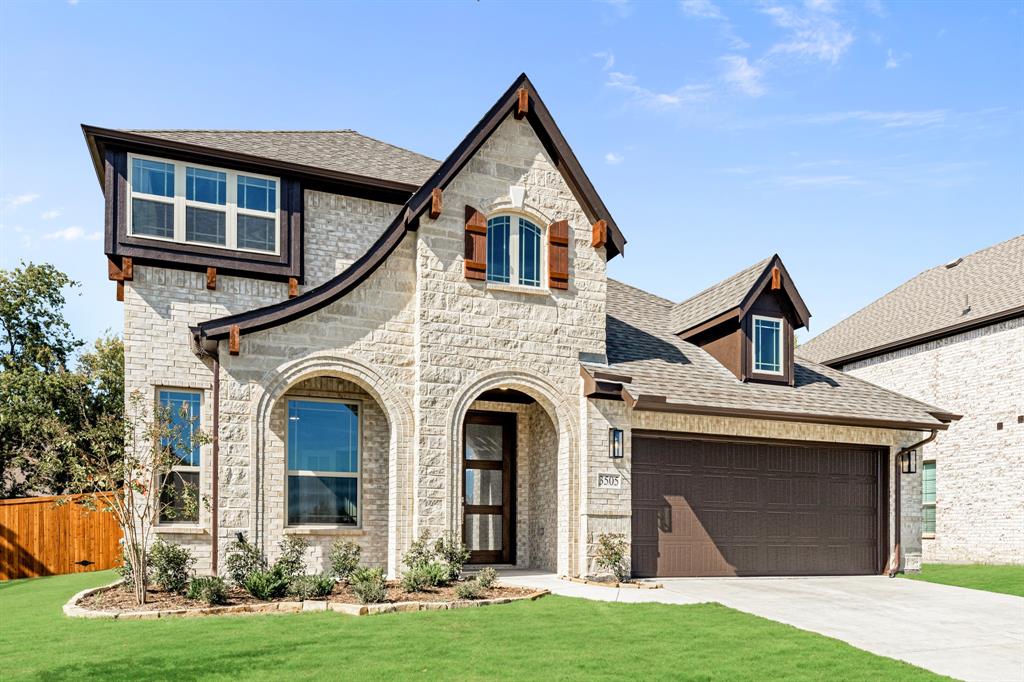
976 290
408 217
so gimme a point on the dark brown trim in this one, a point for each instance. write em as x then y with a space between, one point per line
408 218
803 315
660 404
596 388
727 438
710 324
339 182
918 339
508 423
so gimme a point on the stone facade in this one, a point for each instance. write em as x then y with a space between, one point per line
416 344
979 506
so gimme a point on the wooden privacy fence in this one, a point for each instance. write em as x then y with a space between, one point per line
39 538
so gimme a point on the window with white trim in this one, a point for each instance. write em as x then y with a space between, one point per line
194 204
323 462
767 346
514 251
184 410
928 498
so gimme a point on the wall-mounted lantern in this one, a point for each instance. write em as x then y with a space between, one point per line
615 444
908 462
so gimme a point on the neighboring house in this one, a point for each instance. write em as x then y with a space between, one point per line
954 335
389 346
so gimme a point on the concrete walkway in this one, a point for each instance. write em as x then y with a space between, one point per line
967 634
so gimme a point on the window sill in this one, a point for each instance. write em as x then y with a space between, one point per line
927 536
324 530
517 289
180 530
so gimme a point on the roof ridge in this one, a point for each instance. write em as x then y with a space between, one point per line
667 301
238 130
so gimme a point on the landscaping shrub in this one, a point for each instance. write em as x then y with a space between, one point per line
420 553
612 555
292 561
344 557
211 590
416 579
438 574
243 560
171 565
124 569
368 585
311 586
266 585
470 589
450 551
487 577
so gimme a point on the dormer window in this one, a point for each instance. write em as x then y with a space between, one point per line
513 251
193 204
767 345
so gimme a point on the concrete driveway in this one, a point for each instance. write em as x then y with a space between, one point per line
967 634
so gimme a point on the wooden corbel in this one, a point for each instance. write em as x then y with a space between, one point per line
435 203
522 104
293 287
600 234
776 279
234 340
211 279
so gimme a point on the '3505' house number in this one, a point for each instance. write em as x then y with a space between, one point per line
609 481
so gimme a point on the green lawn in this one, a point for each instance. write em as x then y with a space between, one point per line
989 577
553 638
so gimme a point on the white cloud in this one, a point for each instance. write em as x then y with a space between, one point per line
705 9
813 34
49 215
887 119
893 60
613 159
742 75
875 7
72 2
623 8
607 57
675 99
72 234
817 180
20 200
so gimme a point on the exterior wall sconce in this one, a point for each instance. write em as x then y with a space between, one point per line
908 462
615 444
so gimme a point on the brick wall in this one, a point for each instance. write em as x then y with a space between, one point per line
979 477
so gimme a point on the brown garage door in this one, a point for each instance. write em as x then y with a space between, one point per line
716 508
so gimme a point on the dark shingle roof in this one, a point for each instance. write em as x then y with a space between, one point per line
978 286
717 299
641 345
344 151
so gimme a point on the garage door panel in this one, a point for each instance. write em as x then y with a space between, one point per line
722 508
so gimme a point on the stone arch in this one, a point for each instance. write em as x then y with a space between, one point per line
562 412
383 389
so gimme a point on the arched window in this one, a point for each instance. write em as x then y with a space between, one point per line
513 251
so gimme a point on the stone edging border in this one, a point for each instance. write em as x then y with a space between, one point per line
598 583
73 610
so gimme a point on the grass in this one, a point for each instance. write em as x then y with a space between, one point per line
554 638
1002 578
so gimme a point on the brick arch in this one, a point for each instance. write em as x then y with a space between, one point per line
562 411
382 388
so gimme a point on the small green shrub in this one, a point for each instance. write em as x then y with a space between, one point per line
344 557
266 585
171 565
311 586
450 551
438 574
470 589
292 561
211 590
416 580
487 577
612 555
243 560
420 553
368 585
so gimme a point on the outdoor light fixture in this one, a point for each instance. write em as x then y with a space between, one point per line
908 462
615 447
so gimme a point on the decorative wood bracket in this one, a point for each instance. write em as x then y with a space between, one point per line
234 340
522 104
776 279
120 272
211 279
293 287
600 234
435 203
120 291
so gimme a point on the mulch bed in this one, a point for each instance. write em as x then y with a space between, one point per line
122 598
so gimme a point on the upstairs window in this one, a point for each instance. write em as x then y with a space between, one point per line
513 251
767 345
193 204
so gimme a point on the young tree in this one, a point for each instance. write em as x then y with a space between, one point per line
133 458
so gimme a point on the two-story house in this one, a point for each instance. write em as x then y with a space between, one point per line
384 345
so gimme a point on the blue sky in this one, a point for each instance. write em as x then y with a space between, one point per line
864 142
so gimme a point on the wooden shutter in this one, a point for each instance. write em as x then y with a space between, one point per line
475 263
558 255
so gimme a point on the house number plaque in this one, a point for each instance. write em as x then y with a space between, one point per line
609 481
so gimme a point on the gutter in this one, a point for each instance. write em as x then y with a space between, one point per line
208 349
894 560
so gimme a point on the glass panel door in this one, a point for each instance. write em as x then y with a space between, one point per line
487 499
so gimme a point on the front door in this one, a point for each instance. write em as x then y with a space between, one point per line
489 448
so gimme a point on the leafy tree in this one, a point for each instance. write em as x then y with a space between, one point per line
32 317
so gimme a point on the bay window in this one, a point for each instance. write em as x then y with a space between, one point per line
194 204
323 462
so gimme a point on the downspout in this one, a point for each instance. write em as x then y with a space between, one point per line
205 348
894 560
